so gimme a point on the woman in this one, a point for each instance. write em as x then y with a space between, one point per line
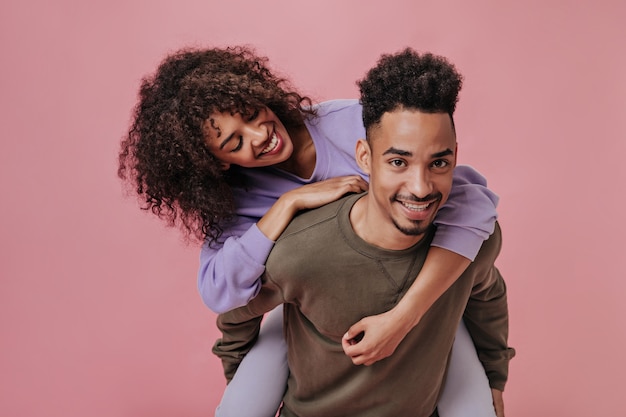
231 152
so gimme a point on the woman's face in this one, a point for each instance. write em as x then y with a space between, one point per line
252 141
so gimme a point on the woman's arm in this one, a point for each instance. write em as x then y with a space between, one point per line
230 270
466 220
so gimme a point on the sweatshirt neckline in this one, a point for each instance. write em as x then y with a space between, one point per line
365 248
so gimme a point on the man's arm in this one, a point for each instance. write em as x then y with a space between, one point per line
486 315
240 327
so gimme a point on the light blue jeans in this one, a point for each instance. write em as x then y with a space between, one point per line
258 386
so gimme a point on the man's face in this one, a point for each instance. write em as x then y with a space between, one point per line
410 163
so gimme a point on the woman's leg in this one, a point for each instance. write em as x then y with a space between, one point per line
258 386
466 392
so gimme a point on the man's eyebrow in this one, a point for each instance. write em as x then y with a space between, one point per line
400 152
443 153
395 151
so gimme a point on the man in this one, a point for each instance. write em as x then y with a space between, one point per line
356 257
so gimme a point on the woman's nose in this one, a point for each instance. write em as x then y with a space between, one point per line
257 134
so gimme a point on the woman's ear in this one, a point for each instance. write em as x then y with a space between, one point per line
363 155
225 166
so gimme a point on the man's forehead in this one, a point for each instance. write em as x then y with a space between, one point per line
395 114
414 126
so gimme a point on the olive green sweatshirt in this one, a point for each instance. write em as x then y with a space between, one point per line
328 279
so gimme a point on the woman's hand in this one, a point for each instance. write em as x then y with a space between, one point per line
309 196
323 192
376 337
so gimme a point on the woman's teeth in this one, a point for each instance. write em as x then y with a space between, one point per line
272 145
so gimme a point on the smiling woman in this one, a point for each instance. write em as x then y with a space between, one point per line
231 152
248 141
165 157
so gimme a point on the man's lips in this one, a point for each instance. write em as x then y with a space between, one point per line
416 206
418 210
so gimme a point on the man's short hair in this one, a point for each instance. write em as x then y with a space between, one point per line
407 79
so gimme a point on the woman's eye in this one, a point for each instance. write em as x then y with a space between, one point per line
239 145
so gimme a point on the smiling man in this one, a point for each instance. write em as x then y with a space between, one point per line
410 158
357 257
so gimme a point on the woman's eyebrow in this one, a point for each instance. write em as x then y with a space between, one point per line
225 141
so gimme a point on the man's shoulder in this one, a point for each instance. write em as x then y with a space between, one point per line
315 219
488 253
491 247
306 243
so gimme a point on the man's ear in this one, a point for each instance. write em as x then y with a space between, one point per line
225 166
456 150
363 155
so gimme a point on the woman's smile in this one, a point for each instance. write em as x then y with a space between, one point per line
259 141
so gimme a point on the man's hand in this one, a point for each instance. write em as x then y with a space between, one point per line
376 337
498 402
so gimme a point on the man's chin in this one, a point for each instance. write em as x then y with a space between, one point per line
416 228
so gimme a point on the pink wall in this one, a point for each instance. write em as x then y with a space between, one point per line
99 312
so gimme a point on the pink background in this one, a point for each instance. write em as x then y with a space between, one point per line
99 311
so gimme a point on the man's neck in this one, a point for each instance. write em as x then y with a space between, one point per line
378 230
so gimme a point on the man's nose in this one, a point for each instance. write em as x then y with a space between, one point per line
420 184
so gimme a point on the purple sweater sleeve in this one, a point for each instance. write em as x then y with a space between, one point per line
229 273
469 216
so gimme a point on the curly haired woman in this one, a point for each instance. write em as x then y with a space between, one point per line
229 151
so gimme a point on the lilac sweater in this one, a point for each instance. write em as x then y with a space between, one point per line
230 270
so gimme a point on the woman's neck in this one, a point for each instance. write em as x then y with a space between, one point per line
303 158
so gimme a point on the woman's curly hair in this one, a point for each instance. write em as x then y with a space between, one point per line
165 158
425 82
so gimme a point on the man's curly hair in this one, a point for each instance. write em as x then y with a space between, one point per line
165 158
426 82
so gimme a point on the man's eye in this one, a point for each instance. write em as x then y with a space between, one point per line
440 163
397 162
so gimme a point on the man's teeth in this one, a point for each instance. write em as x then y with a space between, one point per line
272 145
416 207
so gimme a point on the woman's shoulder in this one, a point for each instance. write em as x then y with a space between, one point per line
342 114
325 108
